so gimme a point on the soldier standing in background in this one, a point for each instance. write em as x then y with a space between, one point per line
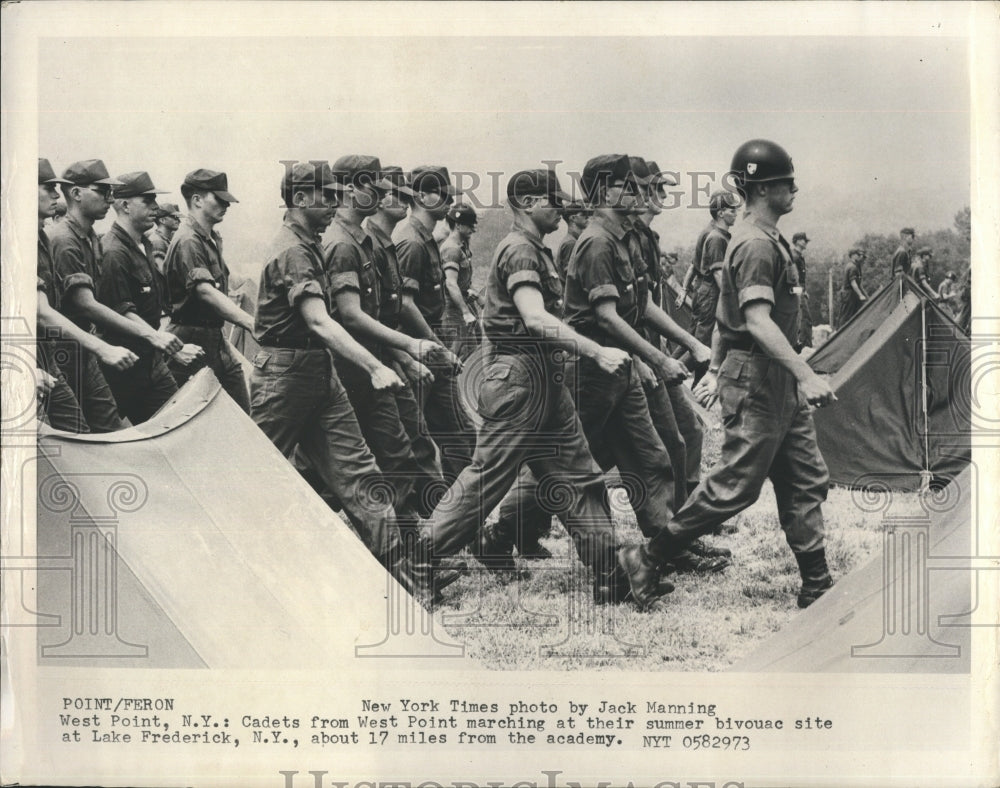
764 388
461 313
901 257
920 271
709 252
168 219
198 284
799 243
852 294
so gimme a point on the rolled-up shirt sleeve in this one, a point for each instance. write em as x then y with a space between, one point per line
342 264
595 262
714 252
518 269
451 258
70 267
299 275
411 259
754 269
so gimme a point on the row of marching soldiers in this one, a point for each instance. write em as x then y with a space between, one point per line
357 376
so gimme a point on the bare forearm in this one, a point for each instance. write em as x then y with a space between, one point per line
361 324
49 318
109 319
629 338
335 337
413 320
223 306
554 331
665 326
455 294
767 334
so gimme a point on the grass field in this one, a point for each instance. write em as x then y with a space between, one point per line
547 621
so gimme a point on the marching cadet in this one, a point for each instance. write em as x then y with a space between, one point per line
429 194
709 252
576 215
799 243
901 257
606 301
168 219
128 284
671 410
76 257
523 397
58 405
460 324
198 284
919 271
391 211
763 387
852 294
297 398
355 294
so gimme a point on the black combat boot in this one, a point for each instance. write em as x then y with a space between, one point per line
646 584
816 579
497 556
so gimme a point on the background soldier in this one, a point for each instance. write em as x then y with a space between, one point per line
852 294
709 252
799 243
461 313
920 270
168 219
298 400
57 404
128 284
576 215
949 294
523 395
198 284
901 257
430 194
763 386
76 256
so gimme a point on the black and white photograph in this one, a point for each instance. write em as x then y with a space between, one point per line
539 394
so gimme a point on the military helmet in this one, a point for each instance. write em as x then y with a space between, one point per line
758 161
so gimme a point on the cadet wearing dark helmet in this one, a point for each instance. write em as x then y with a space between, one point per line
763 386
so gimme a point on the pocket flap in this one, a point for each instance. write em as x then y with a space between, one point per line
498 372
260 360
732 367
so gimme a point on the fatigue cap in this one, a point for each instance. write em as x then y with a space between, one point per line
463 214
573 208
431 179
169 209
47 175
658 177
800 237
393 179
857 251
907 231
605 171
925 251
536 183
89 172
210 181
357 170
308 175
136 184
722 199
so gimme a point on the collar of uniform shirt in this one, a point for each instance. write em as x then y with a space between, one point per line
301 231
122 231
74 224
530 234
356 231
424 233
615 227
770 229
379 234
204 232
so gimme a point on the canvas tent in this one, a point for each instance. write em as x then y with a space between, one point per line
189 541
909 609
900 369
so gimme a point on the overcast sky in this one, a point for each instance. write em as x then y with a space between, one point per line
878 128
